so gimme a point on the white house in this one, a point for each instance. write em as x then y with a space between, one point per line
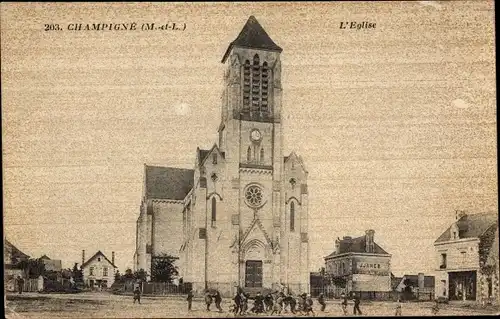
465 252
98 270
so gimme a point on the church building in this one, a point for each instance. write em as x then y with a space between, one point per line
243 207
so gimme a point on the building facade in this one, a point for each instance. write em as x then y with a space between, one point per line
98 270
467 259
51 264
243 207
362 264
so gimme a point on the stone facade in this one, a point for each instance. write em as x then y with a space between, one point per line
243 208
467 259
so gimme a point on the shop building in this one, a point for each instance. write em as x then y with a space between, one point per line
362 265
467 259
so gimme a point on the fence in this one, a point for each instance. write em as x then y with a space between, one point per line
30 285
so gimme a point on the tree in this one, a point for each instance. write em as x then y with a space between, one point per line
141 275
33 268
77 274
118 276
163 268
128 274
339 281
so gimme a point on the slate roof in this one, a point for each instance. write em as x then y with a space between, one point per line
94 257
253 36
356 245
471 226
168 182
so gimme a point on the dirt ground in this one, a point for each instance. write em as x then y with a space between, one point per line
105 305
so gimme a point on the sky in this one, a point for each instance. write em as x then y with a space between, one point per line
396 125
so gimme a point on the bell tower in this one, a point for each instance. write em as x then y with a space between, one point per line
251 101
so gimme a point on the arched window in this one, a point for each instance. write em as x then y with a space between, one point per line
249 154
256 60
246 85
255 106
292 216
214 211
262 155
265 79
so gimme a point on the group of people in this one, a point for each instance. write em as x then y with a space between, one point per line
274 303
213 296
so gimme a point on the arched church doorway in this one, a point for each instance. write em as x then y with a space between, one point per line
253 273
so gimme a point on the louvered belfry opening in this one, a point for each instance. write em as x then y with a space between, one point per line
255 88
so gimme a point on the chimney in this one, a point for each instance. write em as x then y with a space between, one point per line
337 246
83 257
370 244
421 281
113 257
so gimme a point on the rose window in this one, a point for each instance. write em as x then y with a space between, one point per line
253 195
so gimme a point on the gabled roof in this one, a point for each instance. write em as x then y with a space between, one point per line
45 257
471 226
253 36
168 182
14 251
297 158
357 245
98 253
203 154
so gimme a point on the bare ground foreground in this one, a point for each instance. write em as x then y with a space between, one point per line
104 305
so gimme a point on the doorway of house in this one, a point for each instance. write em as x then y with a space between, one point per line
462 285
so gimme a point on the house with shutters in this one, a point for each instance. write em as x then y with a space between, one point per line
98 270
239 216
467 258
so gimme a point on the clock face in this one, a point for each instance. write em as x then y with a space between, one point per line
255 135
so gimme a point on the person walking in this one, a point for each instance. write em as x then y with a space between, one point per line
398 308
357 301
244 303
190 299
435 307
218 300
137 294
321 301
208 299
268 302
343 296
309 305
20 284
292 302
237 302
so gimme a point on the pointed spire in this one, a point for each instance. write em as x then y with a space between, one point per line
253 36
